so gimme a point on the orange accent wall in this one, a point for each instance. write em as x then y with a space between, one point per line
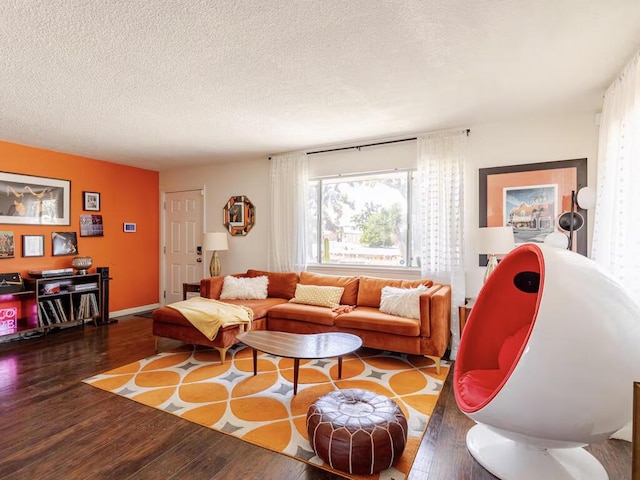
127 194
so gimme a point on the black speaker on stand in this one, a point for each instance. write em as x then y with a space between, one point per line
104 295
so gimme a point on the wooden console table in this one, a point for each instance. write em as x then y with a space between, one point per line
190 287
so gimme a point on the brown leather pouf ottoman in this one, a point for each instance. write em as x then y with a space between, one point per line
357 431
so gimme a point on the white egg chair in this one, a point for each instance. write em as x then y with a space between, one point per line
546 365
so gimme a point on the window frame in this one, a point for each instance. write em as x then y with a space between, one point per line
410 178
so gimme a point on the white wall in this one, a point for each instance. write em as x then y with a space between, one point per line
220 182
518 142
490 145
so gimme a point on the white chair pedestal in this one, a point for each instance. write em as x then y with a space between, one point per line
511 460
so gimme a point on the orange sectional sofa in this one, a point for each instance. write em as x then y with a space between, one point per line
429 335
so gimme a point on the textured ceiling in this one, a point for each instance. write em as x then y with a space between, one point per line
162 83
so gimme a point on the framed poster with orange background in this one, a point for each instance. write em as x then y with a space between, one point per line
530 198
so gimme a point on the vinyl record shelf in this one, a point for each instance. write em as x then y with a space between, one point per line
67 300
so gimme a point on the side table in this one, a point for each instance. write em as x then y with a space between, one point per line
464 311
190 287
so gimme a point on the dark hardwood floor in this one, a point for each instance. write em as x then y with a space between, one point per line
53 426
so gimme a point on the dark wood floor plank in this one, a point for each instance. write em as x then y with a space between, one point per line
54 426
178 455
262 460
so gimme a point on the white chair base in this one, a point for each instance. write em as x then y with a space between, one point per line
511 460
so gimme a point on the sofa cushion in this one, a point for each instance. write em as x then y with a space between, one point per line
404 302
370 289
368 318
281 284
416 283
254 288
259 307
303 313
320 296
350 284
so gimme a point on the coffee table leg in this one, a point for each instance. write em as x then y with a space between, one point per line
296 368
339 367
255 362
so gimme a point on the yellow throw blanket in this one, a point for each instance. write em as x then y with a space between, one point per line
209 315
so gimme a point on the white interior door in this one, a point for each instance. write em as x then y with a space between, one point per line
183 212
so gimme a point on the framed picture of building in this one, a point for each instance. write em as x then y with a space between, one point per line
530 198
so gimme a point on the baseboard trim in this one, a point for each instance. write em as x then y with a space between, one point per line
134 310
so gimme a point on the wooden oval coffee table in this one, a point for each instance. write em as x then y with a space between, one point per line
300 346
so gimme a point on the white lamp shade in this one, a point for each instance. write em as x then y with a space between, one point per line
557 240
496 240
215 241
586 197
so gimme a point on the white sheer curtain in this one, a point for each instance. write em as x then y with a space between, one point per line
288 182
440 199
616 231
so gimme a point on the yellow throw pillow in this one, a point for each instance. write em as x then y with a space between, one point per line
317 295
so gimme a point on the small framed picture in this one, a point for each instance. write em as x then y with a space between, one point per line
129 227
91 201
64 243
33 245
7 246
91 226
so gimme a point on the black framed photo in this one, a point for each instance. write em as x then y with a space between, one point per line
91 201
29 200
530 198
64 243
33 245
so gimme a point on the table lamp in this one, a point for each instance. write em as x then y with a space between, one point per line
214 242
495 241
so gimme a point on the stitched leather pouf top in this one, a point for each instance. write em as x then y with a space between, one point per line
357 431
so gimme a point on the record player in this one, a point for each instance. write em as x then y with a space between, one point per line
11 283
56 272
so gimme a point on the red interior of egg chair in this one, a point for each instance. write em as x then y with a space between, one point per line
498 328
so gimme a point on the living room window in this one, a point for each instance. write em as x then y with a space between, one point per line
361 219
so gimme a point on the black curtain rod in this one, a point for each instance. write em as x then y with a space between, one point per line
368 145
362 146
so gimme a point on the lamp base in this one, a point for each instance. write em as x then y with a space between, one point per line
492 263
511 460
214 266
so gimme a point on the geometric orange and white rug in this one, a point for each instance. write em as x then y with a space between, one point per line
191 383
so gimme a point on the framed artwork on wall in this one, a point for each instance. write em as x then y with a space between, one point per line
29 200
33 245
64 243
7 245
530 198
91 201
91 226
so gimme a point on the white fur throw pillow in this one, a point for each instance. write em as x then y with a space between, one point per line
402 302
238 288
320 296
